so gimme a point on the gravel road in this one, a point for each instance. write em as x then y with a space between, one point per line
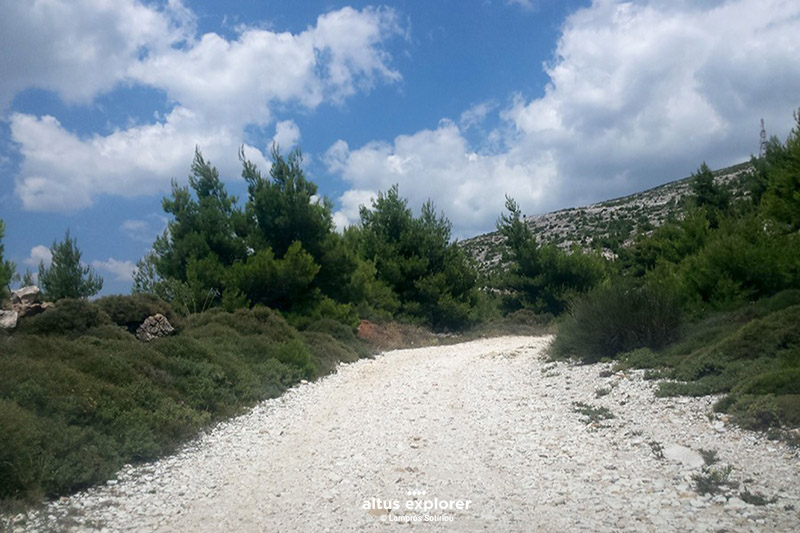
480 436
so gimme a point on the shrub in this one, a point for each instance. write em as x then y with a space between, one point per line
327 352
257 321
618 318
74 408
21 453
66 317
334 328
130 311
296 353
323 309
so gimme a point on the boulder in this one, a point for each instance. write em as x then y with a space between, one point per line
27 301
153 327
8 319
26 296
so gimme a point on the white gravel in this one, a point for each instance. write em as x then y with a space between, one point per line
488 429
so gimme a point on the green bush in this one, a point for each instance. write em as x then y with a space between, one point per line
131 310
744 260
75 407
778 382
327 351
618 318
66 317
257 321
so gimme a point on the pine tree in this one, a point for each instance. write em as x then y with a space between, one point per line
67 277
7 268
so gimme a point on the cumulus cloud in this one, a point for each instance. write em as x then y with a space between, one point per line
351 202
639 93
80 48
218 87
63 172
439 165
287 134
121 270
39 254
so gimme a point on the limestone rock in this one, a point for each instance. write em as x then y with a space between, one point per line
26 296
8 319
683 455
27 301
153 327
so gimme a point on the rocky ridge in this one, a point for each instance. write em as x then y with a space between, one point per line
617 219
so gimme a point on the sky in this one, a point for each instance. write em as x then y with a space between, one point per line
554 103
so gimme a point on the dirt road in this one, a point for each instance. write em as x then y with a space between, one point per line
481 436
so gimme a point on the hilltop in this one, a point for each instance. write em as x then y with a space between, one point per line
607 225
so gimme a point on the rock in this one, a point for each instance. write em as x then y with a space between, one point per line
154 327
27 301
26 296
736 503
8 319
683 455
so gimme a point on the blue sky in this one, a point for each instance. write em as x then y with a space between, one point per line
555 103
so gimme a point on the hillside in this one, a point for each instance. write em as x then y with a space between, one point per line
605 225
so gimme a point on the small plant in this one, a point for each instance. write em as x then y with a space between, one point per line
712 480
592 413
657 448
755 498
709 456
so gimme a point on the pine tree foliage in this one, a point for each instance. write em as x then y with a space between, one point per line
543 278
7 268
67 276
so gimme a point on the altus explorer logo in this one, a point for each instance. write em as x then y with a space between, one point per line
417 507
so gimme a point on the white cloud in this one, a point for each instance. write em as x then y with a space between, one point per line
476 114
80 48
122 270
63 172
438 165
287 134
39 254
351 202
218 86
639 93
144 229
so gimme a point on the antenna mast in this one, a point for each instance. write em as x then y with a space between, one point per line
762 151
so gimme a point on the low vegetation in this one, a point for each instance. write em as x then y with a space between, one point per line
710 302
80 395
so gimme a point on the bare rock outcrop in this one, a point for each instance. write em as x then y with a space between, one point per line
27 301
153 327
